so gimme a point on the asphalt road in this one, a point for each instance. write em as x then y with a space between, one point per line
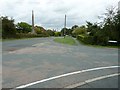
30 60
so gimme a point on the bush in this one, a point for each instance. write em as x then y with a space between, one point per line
38 31
22 35
50 32
93 40
85 39
57 34
100 38
78 31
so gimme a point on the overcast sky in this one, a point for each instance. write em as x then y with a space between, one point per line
50 13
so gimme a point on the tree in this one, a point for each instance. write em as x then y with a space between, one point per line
100 34
8 27
23 27
79 30
111 23
50 32
38 30
57 34
75 26
117 26
89 26
63 31
100 37
66 31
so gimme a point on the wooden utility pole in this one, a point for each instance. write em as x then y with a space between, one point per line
33 22
65 27
119 6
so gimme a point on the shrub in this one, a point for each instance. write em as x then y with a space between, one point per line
78 31
100 40
85 39
57 34
22 35
38 31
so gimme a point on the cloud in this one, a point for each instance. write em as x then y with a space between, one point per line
50 13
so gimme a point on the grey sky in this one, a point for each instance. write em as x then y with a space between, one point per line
50 13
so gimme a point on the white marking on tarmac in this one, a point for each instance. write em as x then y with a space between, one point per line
63 75
92 80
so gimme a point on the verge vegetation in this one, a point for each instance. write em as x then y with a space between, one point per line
66 40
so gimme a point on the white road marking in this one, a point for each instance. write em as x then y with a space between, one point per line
63 75
92 80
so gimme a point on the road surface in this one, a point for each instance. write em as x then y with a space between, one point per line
43 63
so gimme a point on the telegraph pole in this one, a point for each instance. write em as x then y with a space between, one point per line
33 22
119 6
65 27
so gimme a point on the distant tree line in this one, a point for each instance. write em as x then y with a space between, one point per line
23 30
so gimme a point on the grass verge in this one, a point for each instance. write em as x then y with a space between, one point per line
66 40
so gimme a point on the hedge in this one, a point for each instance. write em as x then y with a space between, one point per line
30 35
85 39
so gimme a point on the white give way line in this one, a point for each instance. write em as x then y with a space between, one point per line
91 80
63 75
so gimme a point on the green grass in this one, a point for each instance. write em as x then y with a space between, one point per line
66 40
